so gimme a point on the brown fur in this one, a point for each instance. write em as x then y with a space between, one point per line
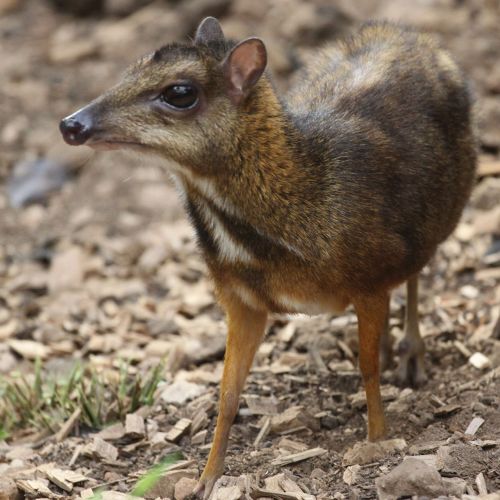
331 195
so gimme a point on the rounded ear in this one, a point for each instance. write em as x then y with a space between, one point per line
209 30
243 67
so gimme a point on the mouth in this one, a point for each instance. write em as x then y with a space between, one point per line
112 144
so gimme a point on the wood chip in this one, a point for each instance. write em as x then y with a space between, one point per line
199 437
65 479
488 167
462 349
287 333
36 488
112 432
104 450
346 350
200 421
29 349
67 426
298 457
134 426
178 430
292 418
485 443
481 484
227 493
447 410
259 405
263 432
474 425
351 474
262 493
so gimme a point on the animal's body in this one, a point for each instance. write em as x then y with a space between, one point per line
328 196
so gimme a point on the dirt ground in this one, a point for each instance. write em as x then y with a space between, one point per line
106 269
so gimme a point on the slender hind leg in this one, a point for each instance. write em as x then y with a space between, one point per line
386 342
411 349
372 316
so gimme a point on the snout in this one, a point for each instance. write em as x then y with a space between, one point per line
77 128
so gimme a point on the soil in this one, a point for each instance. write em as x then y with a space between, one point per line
116 231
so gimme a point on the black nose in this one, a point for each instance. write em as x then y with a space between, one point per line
74 130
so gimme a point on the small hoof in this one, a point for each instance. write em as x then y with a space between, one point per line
204 488
411 369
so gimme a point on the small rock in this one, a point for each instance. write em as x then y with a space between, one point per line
469 292
480 361
366 452
165 486
184 487
228 493
412 477
181 391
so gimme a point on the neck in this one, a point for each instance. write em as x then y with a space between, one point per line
264 179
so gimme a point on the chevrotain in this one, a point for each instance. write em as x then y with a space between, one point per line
307 202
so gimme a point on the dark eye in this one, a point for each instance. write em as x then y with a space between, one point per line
182 96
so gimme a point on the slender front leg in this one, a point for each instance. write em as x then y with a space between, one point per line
372 314
246 328
411 349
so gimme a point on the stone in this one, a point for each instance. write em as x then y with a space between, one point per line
412 477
